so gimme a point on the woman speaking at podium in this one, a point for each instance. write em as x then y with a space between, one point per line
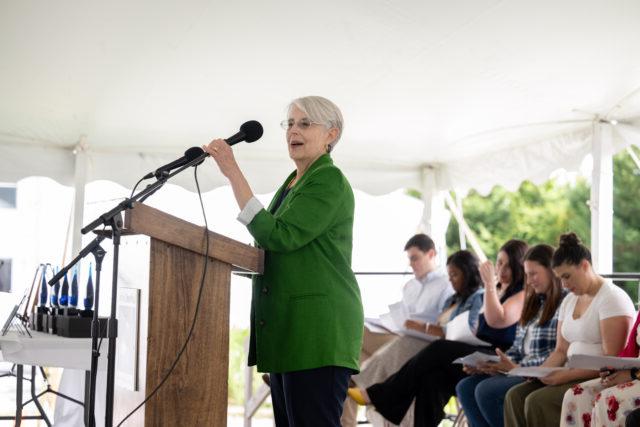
306 311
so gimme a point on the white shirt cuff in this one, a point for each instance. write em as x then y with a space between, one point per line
250 210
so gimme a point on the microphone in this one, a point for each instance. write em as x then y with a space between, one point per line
189 155
250 131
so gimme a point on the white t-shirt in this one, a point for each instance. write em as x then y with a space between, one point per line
424 299
583 334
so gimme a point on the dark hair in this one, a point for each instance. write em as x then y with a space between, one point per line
468 264
515 250
570 251
420 241
541 254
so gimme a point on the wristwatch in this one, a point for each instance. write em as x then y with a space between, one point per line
634 373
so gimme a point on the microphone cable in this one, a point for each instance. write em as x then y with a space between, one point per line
195 314
136 186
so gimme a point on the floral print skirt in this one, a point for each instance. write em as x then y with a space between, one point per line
590 404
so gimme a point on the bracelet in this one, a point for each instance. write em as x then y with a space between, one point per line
634 373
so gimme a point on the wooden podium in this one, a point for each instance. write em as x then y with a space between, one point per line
167 268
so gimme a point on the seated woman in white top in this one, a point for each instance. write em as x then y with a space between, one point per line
595 318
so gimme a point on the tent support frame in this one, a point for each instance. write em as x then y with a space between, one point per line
435 217
601 202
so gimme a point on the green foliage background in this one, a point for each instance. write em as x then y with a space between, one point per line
237 365
535 214
539 214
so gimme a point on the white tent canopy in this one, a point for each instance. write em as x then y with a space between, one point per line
488 92
436 95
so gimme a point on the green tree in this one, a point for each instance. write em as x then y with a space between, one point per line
533 213
626 218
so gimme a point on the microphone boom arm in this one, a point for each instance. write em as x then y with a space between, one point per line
83 253
107 217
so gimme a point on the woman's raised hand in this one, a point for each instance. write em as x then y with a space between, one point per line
222 153
488 274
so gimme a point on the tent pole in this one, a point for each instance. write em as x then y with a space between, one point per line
461 235
435 218
601 202
633 156
80 180
473 240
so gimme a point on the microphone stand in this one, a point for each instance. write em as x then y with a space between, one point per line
113 219
90 419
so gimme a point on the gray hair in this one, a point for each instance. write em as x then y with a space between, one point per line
321 110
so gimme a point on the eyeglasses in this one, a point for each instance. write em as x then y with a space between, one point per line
303 124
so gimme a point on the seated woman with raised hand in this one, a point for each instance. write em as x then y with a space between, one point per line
608 400
430 377
464 276
482 394
594 318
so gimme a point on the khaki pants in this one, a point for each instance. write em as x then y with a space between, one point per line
370 343
532 404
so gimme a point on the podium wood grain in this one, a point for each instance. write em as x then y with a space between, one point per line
196 394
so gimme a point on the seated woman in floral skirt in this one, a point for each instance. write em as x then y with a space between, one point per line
606 401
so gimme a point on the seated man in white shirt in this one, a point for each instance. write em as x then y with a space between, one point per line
423 298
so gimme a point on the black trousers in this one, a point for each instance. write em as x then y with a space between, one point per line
309 398
429 378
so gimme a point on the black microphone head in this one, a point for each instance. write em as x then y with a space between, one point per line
192 153
252 130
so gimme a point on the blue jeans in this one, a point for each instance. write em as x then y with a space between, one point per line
482 398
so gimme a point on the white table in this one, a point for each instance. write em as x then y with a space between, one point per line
47 350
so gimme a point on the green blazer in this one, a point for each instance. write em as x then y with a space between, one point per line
306 310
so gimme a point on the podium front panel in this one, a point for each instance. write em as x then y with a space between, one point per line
196 393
